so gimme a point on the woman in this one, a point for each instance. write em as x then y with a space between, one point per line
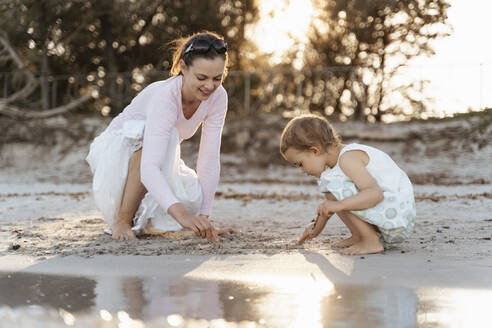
138 173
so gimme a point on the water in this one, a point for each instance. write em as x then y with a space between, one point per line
36 300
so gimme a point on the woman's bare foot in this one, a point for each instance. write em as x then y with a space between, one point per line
226 231
346 242
122 231
364 246
179 234
183 233
187 233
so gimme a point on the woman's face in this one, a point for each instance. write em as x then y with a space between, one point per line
202 77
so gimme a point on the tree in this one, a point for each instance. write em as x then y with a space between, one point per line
92 41
374 40
27 85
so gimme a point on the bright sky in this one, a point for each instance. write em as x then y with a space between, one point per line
471 39
458 81
281 21
458 78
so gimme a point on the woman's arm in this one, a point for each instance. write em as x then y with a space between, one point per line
161 119
208 164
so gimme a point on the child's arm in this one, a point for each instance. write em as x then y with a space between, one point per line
314 228
353 164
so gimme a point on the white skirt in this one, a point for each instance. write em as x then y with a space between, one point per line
108 158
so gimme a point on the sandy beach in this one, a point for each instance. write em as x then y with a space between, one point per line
50 225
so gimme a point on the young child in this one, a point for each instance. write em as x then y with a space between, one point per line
362 185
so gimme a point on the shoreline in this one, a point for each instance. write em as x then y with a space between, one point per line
402 270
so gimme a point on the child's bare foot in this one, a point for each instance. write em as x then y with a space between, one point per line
122 231
364 246
346 242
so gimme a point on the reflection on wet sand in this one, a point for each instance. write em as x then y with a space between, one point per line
448 307
70 293
32 300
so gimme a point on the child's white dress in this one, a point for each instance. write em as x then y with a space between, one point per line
395 215
108 158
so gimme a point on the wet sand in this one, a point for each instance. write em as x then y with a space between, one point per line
306 289
50 230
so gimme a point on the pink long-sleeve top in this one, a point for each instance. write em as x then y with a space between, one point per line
159 104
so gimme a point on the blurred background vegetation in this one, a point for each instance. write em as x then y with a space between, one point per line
85 56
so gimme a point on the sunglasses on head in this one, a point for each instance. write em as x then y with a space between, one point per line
203 46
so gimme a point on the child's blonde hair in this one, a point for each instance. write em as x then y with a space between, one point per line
306 131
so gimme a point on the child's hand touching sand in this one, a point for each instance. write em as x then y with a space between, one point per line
325 210
314 228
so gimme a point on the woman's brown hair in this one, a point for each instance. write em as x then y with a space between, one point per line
179 46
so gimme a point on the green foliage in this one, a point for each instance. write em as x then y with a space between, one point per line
101 38
365 44
378 37
81 34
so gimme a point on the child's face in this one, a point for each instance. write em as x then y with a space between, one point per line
311 161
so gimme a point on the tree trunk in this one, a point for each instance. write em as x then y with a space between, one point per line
381 89
338 104
359 114
45 68
110 55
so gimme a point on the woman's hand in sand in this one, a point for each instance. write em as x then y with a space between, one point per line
329 207
201 225
313 229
